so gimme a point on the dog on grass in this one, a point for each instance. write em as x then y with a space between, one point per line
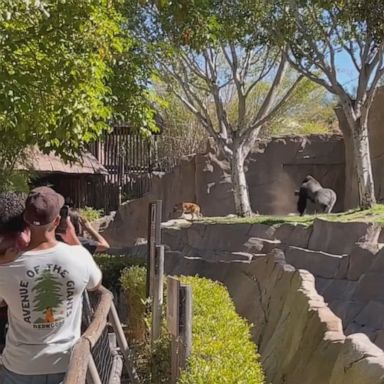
188 208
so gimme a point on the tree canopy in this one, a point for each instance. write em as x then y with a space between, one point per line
67 68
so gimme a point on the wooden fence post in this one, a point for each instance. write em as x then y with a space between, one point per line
154 238
185 324
173 290
151 246
179 319
159 208
157 301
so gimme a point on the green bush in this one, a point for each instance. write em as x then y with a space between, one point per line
222 350
112 267
133 281
91 214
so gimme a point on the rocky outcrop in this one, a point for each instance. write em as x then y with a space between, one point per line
316 305
300 339
274 170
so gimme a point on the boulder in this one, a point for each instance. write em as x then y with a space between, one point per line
360 362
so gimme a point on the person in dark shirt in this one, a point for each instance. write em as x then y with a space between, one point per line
14 237
94 242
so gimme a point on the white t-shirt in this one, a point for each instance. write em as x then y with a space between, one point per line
43 290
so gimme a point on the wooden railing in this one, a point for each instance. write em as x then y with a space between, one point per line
81 359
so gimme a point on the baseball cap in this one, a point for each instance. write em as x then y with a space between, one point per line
42 206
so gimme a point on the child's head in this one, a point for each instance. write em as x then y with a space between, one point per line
13 229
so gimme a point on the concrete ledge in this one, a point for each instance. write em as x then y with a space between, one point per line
340 238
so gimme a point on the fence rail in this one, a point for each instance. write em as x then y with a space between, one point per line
82 362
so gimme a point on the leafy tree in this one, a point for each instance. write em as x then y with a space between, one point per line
317 32
182 134
67 68
208 60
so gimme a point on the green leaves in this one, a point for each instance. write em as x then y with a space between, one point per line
222 351
60 82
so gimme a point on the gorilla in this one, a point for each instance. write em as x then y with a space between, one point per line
323 198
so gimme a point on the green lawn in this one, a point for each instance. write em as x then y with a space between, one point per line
375 214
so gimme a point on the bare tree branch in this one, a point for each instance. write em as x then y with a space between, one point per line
272 93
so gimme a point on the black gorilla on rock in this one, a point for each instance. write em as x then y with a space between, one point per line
323 198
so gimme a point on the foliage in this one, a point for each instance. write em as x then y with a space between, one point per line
54 66
90 213
14 181
133 281
220 353
182 135
309 111
112 267
67 69
210 63
319 35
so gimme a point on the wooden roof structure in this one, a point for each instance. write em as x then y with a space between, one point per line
50 163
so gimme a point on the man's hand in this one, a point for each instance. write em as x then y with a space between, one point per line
102 244
85 224
69 236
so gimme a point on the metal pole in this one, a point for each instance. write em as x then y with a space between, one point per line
123 345
93 371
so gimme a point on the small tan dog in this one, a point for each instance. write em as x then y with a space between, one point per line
190 208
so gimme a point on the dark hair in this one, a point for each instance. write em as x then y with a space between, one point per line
11 212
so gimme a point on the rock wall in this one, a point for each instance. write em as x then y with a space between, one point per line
274 171
302 337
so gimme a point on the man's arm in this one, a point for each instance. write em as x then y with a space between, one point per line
101 243
69 236
94 278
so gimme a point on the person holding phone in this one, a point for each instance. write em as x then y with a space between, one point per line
94 243
43 288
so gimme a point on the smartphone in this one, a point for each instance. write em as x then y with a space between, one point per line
62 227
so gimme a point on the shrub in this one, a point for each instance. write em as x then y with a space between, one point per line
91 214
112 267
222 350
133 281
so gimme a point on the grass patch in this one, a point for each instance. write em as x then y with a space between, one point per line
375 214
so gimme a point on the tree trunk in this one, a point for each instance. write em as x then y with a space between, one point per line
363 164
351 195
359 138
239 182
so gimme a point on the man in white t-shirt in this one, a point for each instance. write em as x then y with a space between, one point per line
43 289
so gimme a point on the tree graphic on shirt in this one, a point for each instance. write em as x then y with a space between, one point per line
48 296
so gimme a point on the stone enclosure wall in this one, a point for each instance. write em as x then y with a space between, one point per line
275 276
274 171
